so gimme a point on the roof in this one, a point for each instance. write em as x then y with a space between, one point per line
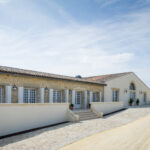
12 70
104 78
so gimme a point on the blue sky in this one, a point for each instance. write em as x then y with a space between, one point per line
70 37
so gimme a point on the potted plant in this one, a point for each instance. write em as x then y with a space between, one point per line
137 102
71 106
130 101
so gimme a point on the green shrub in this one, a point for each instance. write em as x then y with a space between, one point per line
130 101
71 105
137 101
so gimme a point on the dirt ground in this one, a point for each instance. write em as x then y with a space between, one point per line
133 136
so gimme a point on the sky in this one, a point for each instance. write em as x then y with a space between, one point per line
76 37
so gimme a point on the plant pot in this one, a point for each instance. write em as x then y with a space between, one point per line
71 108
89 105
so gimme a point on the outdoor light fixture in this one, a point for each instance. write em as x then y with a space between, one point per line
46 89
125 91
14 87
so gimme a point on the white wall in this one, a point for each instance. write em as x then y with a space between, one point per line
148 97
107 107
20 117
123 83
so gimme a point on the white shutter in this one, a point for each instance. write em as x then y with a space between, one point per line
8 94
42 95
100 96
66 95
91 96
20 94
51 95
85 99
73 96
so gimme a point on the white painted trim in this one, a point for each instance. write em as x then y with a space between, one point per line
66 95
42 95
100 96
91 96
73 96
85 99
20 94
51 95
1 95
8 94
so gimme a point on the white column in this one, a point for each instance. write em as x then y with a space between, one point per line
100 96
42 95
91 96
8 94
66 95
85 99
51 95
73 96
20 94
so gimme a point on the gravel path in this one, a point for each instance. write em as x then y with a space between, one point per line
119 138
53 138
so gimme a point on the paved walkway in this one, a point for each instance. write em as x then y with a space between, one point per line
133 136
55 137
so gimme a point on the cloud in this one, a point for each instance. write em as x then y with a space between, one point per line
117 45
74 48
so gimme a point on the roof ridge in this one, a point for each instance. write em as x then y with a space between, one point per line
14 70
109 74
36 71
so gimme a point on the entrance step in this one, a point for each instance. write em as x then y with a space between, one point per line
86 114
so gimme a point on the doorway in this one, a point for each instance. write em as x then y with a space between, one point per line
78 99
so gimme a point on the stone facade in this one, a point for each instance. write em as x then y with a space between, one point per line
37 83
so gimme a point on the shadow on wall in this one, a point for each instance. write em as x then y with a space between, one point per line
30 134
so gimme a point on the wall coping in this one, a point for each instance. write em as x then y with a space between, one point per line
106 102
29 104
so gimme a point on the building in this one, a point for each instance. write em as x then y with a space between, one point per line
26 86
37 99
122 87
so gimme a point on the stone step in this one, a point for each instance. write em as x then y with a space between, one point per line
87 118
86 115
81 117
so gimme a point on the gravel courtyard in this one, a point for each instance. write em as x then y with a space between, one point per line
53 138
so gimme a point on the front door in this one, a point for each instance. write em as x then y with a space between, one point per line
133 96
78 100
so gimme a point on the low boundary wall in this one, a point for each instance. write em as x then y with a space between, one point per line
107 107
20 117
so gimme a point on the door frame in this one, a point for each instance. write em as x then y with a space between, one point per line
78 105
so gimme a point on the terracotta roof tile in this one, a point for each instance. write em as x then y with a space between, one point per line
11 70
104 78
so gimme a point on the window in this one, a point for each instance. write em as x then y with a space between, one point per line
132 91
29 95
57 96
78 98
132 86
115 95
144 97
94 97
0 95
